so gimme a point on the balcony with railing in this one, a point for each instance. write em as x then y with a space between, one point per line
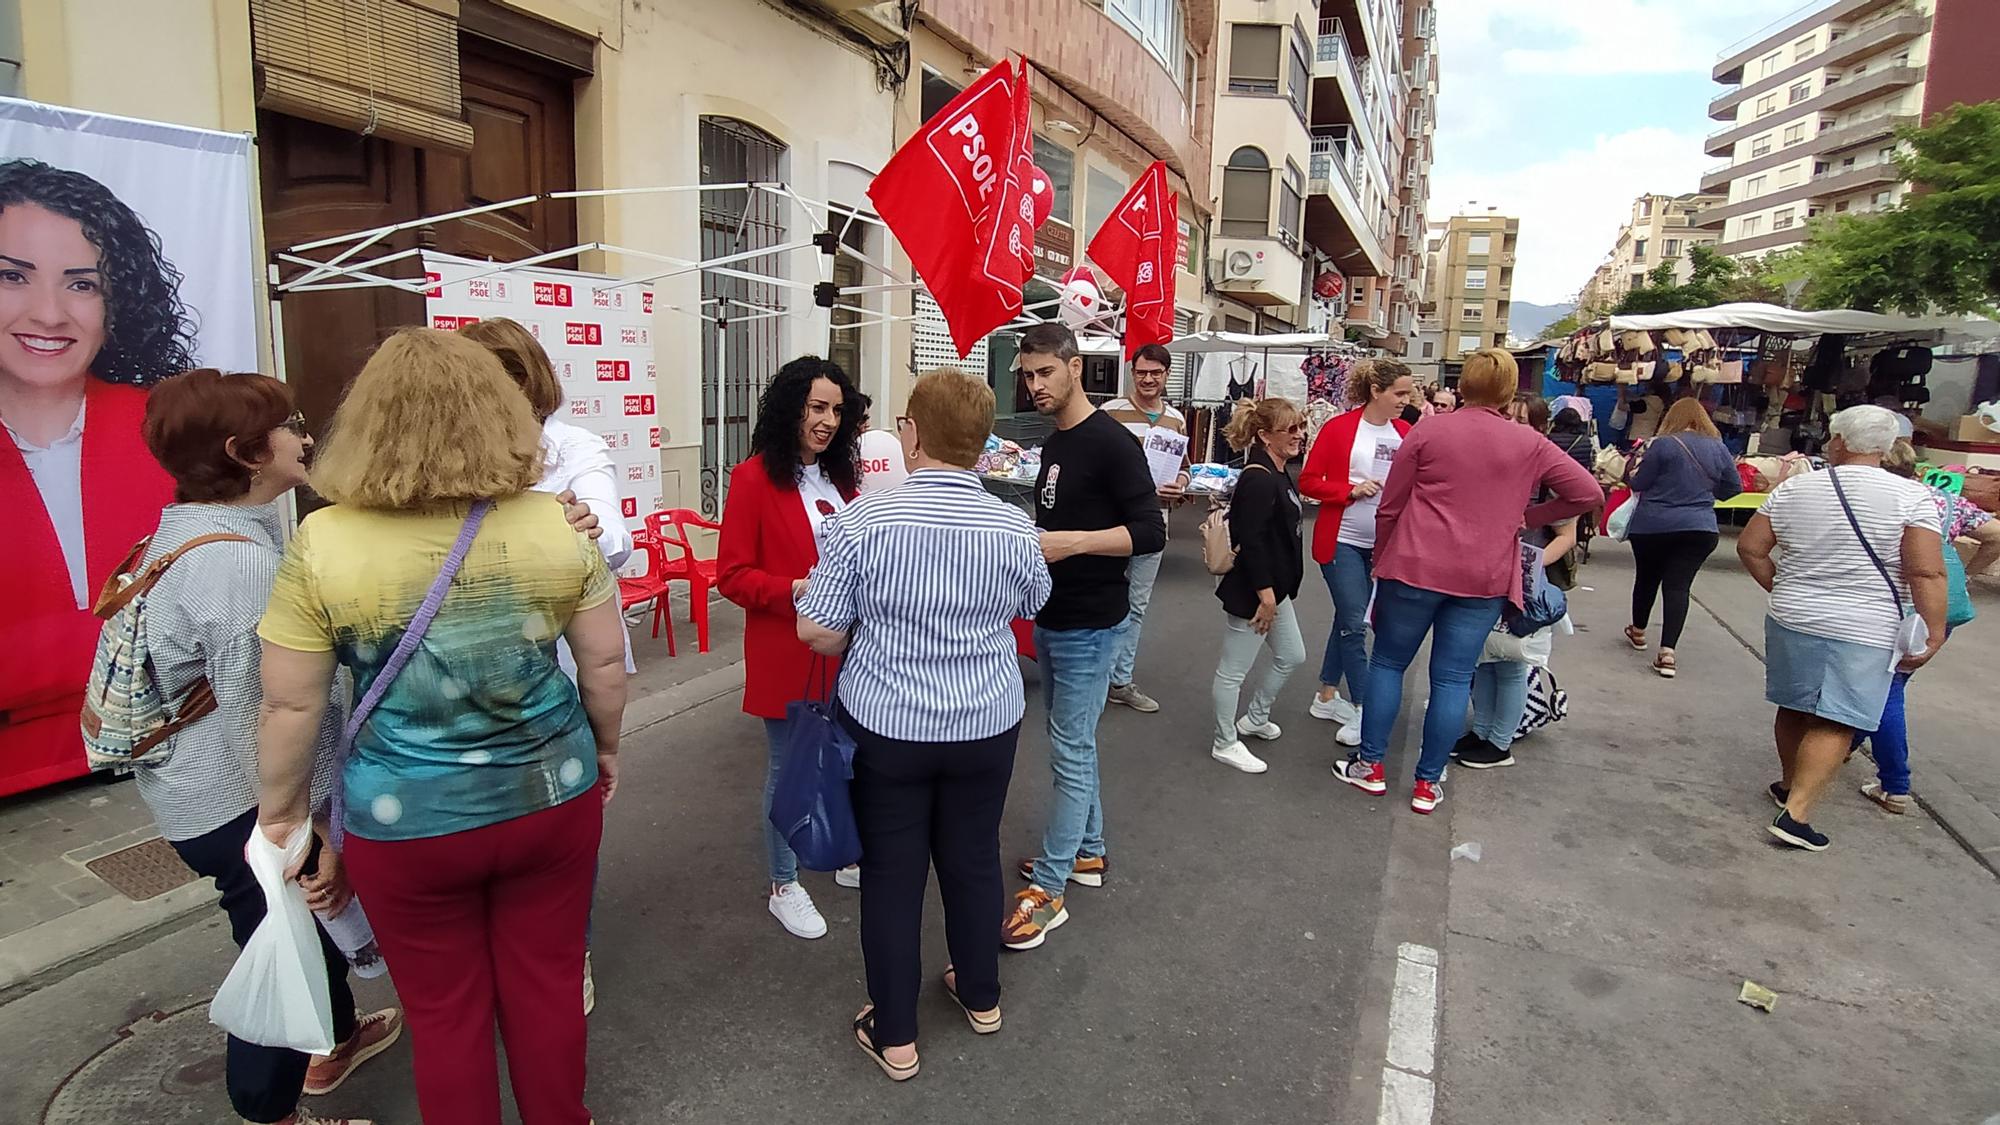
1340 217
1342 93
1838 94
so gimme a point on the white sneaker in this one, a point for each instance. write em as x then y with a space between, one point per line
1350 733
794 909
1239 756
1335 710
1269 732
849 876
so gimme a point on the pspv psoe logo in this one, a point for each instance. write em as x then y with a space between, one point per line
553 293
638 405
614 371
452 323
1049 486
587 334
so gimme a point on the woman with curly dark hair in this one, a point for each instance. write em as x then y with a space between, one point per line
90 315
802 472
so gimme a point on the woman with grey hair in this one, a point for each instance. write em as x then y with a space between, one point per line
1857 551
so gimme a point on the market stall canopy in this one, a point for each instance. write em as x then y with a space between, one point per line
1204 343
1782 321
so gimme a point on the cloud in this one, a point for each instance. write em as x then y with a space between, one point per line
1594 38
1571 202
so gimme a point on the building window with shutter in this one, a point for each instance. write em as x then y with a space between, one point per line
386 68
1255 50
1246 194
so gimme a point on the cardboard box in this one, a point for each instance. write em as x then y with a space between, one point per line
1970 428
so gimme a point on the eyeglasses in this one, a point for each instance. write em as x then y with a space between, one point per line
296 423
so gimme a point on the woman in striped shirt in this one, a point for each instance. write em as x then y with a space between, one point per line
931 692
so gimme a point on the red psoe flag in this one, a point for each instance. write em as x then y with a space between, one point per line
956 195
1139 248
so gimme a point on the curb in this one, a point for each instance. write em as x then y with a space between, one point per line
43 954
1963 817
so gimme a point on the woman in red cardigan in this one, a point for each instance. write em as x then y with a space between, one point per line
1344 472
90 315
803 470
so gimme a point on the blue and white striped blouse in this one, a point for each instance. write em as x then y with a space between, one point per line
929 576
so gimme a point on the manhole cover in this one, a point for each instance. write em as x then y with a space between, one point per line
164 1070
142 871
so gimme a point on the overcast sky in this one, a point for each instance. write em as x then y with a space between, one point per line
1562 111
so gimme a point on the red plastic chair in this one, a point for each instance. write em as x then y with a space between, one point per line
671 529
650 586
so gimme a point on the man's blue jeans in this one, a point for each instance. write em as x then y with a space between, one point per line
1140 574
1891 740
1076 674
1404 615
1499 698
1350 579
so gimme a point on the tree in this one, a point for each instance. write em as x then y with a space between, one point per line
1712 280
1563 327
1940 250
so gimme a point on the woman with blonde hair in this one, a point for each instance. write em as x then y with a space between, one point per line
1344 472
1680 475
1259 591
1447 560
476 771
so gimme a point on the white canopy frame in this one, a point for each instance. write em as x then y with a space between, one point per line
339 262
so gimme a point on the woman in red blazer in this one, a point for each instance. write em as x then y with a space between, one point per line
90 315
1344 472
803 471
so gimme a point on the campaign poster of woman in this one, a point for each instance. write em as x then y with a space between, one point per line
125 257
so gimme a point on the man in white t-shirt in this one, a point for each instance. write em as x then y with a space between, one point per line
1143 412
1858 552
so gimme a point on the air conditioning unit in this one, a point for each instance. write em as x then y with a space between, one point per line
1244 269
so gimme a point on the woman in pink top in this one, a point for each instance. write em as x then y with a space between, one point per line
1447 559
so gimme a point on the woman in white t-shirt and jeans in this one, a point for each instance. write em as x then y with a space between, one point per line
1344 472
1857 549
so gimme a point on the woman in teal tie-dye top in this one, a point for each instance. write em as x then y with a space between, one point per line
472 825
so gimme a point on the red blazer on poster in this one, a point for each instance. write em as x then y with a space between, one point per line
1325 477
767 544
46 642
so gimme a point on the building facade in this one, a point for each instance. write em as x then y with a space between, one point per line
1472 283
1811 115
1323 113
1661 229
1116 85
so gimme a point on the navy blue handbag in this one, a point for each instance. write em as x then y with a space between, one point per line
1542 602
810 807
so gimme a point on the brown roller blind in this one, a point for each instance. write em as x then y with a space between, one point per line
388 68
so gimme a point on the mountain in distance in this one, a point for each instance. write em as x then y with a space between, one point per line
1526 321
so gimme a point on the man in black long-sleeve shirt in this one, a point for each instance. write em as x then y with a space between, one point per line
1096 505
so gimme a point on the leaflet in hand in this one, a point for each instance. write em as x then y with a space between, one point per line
1165 453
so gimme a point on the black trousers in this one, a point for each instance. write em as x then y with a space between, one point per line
264 1082
919 804
1667 560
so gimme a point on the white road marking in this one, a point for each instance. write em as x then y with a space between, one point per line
1407 1091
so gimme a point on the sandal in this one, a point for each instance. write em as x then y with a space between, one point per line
864 1034
1636 638
984 1023
1664 665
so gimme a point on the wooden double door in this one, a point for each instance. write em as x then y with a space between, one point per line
320 181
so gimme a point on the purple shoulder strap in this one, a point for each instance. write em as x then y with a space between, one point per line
405 648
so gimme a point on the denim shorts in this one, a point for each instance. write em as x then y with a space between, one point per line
1840 681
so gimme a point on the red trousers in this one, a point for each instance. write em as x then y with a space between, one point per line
489 923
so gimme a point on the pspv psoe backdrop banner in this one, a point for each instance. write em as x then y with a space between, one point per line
599 338
125 257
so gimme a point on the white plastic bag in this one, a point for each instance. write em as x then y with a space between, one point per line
276 995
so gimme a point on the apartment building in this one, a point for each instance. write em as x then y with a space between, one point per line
1323 115
1661 229
1471 283
1812 110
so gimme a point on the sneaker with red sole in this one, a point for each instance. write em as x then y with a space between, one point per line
1425 796
374 1034
1369 777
